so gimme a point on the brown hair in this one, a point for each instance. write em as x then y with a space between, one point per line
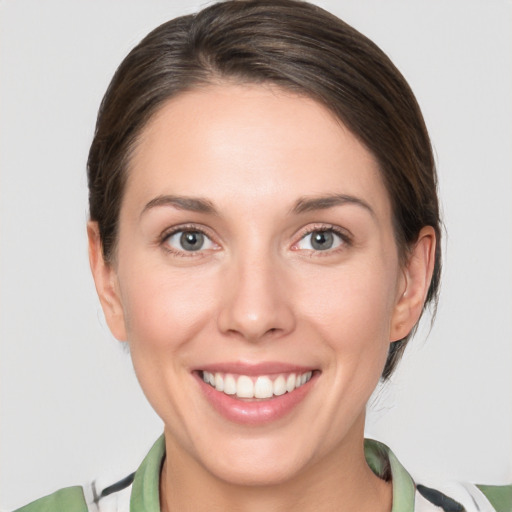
297 46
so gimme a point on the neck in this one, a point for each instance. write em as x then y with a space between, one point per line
341 481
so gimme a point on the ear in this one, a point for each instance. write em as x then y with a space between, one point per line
107 287
414 285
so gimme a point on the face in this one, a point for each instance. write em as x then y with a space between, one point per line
257 280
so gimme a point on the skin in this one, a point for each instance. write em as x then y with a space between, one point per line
258 292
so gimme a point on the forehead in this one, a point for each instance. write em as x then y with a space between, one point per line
255 141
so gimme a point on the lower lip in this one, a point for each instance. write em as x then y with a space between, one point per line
257 412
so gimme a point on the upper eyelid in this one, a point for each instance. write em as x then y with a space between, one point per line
166 233
307 230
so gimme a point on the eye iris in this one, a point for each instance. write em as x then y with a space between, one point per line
192 240
322 240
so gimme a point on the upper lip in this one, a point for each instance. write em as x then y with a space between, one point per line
253 369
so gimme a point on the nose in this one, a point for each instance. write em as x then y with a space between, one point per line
256 301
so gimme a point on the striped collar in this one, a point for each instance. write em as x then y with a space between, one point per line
141 489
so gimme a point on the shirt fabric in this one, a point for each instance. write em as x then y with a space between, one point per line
139 492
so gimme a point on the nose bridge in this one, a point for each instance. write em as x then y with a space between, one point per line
256 302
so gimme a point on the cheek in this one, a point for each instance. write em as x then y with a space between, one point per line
165 314
352 309
165 308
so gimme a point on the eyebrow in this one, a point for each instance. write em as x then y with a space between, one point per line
308 204
192 204
303 205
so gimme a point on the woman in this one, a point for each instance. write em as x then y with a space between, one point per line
265 235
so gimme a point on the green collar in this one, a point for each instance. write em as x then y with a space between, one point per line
378 456
145 490
146 484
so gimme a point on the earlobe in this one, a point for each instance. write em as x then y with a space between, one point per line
106 282
414 285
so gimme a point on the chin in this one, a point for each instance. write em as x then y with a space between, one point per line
256 473
258 462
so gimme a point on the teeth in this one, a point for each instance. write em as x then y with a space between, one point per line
229 385
279 386
290 382
244 386
263 388
219 382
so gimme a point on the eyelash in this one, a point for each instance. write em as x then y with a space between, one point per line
188 228
346 239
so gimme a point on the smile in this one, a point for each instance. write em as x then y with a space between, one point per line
262 386
256 395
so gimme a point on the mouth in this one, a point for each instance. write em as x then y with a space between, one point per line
258 387
255 395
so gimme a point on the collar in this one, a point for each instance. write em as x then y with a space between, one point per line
379 457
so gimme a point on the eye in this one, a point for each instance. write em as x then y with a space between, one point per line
321 240
188 241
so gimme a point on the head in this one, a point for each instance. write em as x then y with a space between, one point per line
280 56
295 46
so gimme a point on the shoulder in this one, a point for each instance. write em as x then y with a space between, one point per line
500 496
70 499
89 498
137 491
420 495
465 497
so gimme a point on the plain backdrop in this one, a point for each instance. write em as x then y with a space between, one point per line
71 408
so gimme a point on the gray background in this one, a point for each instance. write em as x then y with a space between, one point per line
70 406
